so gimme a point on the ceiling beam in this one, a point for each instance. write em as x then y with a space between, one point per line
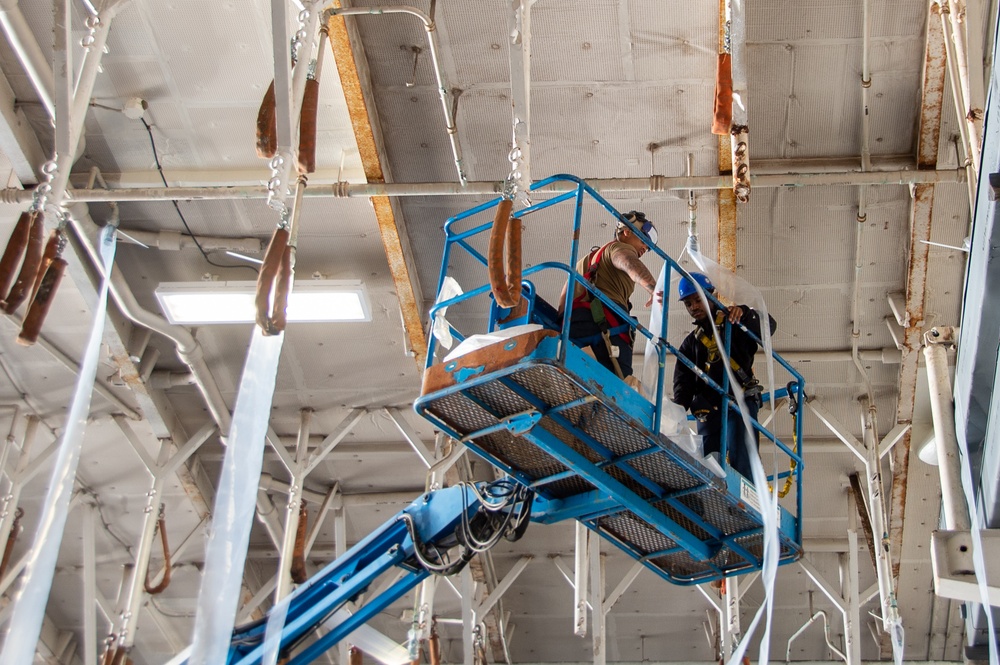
931 102
345 41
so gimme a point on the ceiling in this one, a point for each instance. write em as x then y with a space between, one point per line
620 90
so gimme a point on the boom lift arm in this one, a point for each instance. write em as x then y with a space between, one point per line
416 542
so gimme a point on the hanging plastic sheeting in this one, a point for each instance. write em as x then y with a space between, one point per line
673 417
36 583
232 519
741 291
441 328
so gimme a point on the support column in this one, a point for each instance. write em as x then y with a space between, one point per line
468 618
582 555
597 599
731 601
849 586
936 343
89 587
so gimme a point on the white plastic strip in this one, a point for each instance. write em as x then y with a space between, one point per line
728 284
234 504
36 583
272 632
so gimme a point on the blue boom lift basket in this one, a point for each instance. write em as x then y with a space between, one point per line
549 415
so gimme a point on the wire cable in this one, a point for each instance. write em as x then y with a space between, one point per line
159 168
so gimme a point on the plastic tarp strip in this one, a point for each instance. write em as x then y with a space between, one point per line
235 503
36 583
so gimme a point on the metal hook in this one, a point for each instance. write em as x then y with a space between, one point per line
416 50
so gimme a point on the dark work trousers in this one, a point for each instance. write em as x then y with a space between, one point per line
711 433
584 332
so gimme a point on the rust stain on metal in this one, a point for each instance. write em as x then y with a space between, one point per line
931 101
916 289
400 270
357 107
932 96
389 228
727 228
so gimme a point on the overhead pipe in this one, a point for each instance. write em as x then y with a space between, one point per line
972 155
174 240
862 217
826 636
653 184
973 117
443 92
188 349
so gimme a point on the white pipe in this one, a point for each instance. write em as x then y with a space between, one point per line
956 96
29 53
443 92
973 119
188 349
936 341
654 184
826 636
174 240
886 356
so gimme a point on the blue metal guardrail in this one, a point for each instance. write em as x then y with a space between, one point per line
560 423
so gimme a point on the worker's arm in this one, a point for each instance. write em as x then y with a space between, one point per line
626 259
684 378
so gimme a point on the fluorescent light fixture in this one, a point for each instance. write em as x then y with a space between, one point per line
311 301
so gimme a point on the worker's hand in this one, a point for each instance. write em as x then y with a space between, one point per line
735 314
659 298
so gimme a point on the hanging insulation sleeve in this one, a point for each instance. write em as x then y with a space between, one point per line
29 605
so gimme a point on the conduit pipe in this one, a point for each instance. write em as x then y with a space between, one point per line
826 636
862 218
188 349
29 53
886 356
973 117
971 153
654 184
173 241
443 92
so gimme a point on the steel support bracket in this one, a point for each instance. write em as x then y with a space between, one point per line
952 563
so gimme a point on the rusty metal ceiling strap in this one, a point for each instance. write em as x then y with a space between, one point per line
916 273
354 79
725 199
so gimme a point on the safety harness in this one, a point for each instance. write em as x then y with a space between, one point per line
606 321
751 387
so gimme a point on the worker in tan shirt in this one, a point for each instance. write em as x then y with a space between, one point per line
613 269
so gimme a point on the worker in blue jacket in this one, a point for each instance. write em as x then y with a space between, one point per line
700 348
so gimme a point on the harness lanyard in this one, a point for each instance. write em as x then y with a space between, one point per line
746 378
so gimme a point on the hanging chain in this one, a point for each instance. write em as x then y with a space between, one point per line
512 185
92 23
285 221
40 197
276 190
300 35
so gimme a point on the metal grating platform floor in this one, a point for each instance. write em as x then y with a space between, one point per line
572 438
